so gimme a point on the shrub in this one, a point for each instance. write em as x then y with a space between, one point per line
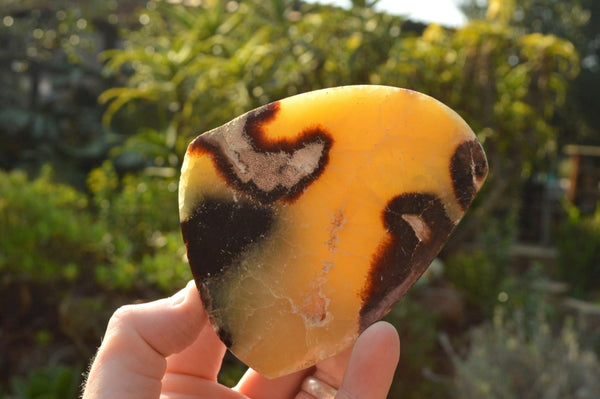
69 258
135 206
477 276
126 237
508 360
141 213
46 229
55 382
579 252
418 329
480 273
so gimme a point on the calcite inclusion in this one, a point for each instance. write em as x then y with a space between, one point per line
306 219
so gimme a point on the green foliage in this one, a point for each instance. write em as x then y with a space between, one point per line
506 85
505 362
141 213
53 382
164 267
47 233
578 245
129 205
189 69
419 330
63 250
51 80
573 20
51 232
185 69
479 274
231 371
530 293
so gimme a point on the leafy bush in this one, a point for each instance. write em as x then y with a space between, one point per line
479 274
579 252
129 239
141 213
69 258
188 69
46 229
50 82
58 382
418 328
507 360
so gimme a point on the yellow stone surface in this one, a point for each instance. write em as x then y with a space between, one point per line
305 220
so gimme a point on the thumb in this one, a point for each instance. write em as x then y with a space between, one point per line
131 361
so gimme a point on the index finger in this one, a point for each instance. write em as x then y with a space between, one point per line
372 363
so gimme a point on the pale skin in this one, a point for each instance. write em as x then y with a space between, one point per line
167 349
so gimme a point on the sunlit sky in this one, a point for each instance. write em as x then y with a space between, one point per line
445 12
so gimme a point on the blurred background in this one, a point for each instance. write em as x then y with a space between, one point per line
100 98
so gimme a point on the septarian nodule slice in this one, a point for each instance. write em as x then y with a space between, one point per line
306 219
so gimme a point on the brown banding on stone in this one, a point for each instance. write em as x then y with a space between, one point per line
468 169
224 335
417 227
422 231
217 236
219 232
266 170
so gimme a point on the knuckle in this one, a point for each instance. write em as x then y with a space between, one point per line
124 315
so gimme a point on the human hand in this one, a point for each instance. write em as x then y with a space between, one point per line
168 349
